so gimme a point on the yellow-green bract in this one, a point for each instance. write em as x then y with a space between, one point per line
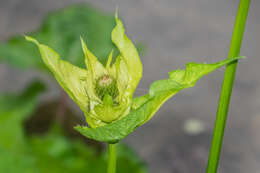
105 94
87 87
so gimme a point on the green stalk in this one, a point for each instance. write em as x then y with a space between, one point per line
228 81
112 159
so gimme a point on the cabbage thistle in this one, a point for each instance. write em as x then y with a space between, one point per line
105 93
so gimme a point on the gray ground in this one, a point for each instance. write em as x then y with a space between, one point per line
175 32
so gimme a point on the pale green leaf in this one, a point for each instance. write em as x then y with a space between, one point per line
109 60
162 90
94 66
194 71
146 106
72 78
123 79
129 55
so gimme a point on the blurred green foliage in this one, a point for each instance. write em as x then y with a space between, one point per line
14 109
61 30
51 152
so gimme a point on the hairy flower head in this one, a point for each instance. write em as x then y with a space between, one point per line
103 93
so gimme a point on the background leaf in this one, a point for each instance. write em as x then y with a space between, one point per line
61 31
14 109
60 154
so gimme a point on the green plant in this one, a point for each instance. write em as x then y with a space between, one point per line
111 117
228 81
61 30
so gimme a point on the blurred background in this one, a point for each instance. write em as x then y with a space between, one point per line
168 33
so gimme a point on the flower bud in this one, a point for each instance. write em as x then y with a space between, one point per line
106 84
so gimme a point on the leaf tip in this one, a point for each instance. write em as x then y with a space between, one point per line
109 60
81 40
242 57
83 44
28 38
78 128
116 13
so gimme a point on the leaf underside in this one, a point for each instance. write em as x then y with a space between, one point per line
144 107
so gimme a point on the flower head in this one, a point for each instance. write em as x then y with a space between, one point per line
103 93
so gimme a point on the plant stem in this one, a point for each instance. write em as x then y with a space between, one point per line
228 81
112 159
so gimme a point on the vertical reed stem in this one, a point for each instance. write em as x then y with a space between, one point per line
228 81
